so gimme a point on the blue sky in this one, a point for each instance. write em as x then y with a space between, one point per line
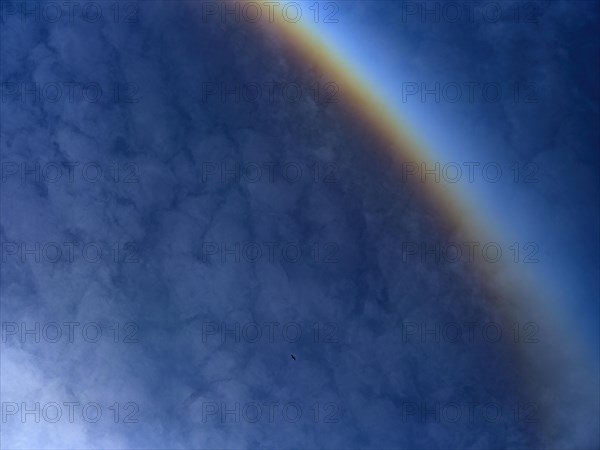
186 246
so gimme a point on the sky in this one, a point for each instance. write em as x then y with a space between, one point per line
187 201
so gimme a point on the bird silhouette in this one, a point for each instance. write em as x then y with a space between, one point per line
293 357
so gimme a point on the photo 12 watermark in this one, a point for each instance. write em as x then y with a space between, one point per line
469 252
471 172
469 412
69 12
268 92
269 412
277 12
469 12
469 332
69 252
469 92
270 252
270 332
268 172
71 332
70 412
68 172
69 92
